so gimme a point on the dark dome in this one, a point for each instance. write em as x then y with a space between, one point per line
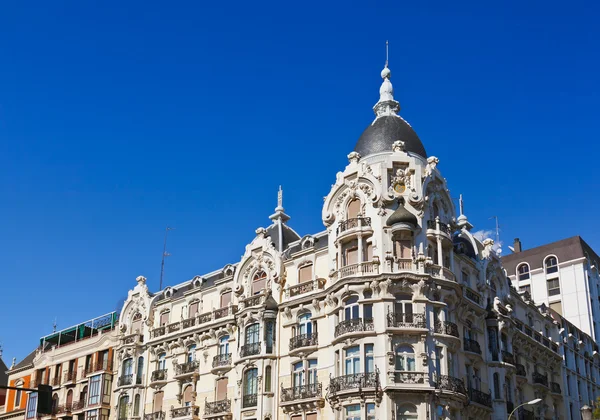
383 132
401 215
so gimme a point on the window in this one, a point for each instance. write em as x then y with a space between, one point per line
164 318
351 308
191 353
251 382
259 282
370 411
406 412
158 401
92 415
353 209
32 406
136 405
162 362
136 323
268 379
269 335
497 386
351 256
403 308
298 374
252 333
54 403
123 401
312 371
187 396
352 360
403 245
224 345
352 412
465 278
193 309
368 252
305 325
18 397
226 299
523 272
305 273
525 289
127 367
553 287
405 358
369 362
551 264
140 370
83 395
94 397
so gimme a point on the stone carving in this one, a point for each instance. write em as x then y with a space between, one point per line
488 244
432 162
353 157
288 312
398 146
316 304
384 286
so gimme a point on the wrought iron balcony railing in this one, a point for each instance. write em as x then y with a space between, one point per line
216 407
472 346
250 400
188 367
303 340
354 381
472 296
539 378
354 325
521 371
70 376
159 375
480 397
508 357
408 377
446 327
399 320
443 227
555 388
250 349
78 405
98 366
450 383
184 411
301 392
221 360
353 223
157 415
55 381
125 380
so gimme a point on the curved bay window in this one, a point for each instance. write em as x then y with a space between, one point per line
523 272
259 282
405 358
551 265
250 388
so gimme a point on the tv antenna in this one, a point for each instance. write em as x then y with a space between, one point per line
164 254
497 239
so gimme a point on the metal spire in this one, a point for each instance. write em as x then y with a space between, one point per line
386 104
165 254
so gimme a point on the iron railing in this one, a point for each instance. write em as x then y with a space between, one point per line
480 397
353 223
539 378
215 407
159 375
400 320
98 366
188 367
125 380
508 357
250 400
70 376
303 340
472 296
184 411
450 383
446 327
408 377
301 392
354 325
472 346
354 381
78 405
223 359
157 415
55 381
250 349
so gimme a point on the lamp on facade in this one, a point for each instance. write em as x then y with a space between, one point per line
532 402
586 412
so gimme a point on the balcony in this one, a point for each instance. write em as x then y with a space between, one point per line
303 340
353 325
302 392
508 357
125 380
357 222
255 300
555 388
157 332
521 371
55 381
99 366
70 376
187 368
217 407
353 381
184 411
159 375
157 415
364 268
407 321
63 408
450 383
175 326
446 328
305 287
221 363
480 397
472 295
133 339
440 272
539 378
407 377
472 346
251 349
250 400
78 405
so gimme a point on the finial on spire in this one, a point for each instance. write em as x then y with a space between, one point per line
461 204
387 55
280 198
386 104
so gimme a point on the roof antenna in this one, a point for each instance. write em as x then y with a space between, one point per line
497 240
387 50
165 254
461 204
54 325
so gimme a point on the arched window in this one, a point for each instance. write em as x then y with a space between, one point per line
351 308
69 398
405 358
436 210
83 395
191 353
54 402
187 396
305 325
250 387
406 412
352 360
162 361
127 368
353 209
140 370
403 309
497 386
252 335
305 273
224 345
136 405
551 265
268 379
123 401
259 282
136 323
523 271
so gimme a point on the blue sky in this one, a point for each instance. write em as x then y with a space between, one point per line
120 118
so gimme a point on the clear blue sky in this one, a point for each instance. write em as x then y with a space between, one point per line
120 118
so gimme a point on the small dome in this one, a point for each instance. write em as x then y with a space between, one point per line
383 132
401 215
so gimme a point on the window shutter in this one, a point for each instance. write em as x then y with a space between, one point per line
305 273
225 299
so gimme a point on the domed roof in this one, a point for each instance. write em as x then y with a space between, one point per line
383 132
401 215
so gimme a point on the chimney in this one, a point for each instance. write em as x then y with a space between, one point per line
517 245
